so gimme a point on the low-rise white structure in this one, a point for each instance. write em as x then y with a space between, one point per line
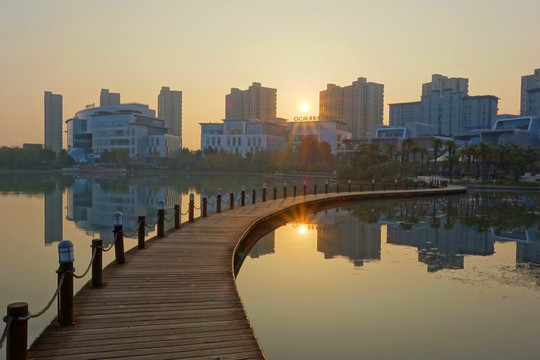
244 136
334 132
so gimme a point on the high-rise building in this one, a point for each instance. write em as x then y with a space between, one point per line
528 83
446 105
360 105
257 102
170 110
107 98
53 121
442 83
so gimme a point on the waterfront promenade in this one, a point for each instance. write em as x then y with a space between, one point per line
177 299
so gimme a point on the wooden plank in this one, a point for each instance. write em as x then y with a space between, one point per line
176 299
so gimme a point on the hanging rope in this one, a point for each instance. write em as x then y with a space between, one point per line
8 320
110 246
89 265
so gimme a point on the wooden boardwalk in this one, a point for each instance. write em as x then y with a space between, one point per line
176 299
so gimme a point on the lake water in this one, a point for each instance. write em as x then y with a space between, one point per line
38 211
355 281
453 278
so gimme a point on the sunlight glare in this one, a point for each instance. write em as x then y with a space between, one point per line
304 106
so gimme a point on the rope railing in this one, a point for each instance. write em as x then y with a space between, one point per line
49 303
185 213
112 244
89 265
8 320
167 220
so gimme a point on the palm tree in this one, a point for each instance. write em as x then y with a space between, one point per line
423 152
437 144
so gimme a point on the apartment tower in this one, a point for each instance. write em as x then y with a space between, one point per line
529 84
170 110
107 98
360 105
53 121
257 102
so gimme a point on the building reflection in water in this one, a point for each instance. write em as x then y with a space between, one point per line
443 231
53 215
92 202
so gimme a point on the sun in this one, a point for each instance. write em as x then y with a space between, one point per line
304 106
302 229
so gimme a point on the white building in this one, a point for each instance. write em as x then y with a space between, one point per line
53 121
170 110
131 127
244 136
334 132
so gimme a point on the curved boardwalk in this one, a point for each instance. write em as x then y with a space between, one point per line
177 298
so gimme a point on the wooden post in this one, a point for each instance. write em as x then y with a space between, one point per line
253 197
161 219
264 193
284 190
275 193
305 188
243 196
360 187
65 271
118 232
294 190
218 201
326 187
177 216
373 185
140 237
337 187
17 336
204 205
97 263
315 189
349 185
191 207
231 201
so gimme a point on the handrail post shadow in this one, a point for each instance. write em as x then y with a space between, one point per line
140 237
204 207
177 216
161 219
231 201
191 207
17 336
218 201
97 263
118 232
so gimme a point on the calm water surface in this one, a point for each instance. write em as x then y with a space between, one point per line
414 279
38 211
456 278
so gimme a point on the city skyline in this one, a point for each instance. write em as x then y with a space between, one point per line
205 49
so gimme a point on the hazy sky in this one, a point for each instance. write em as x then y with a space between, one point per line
204 48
